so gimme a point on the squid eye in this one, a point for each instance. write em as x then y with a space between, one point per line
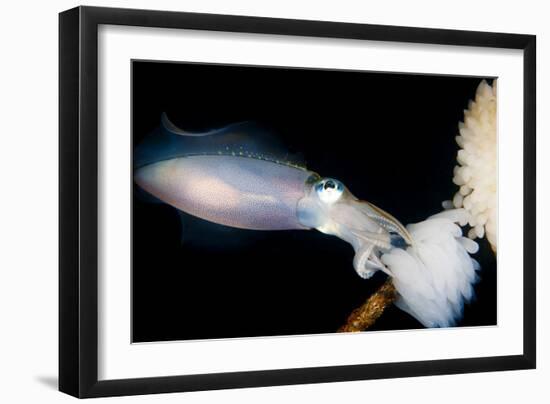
329 190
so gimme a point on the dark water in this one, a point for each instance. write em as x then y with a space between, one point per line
388 137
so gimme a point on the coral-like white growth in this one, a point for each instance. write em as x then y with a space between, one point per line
476 172
435 277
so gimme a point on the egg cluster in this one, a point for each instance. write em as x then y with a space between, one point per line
476 172
436 277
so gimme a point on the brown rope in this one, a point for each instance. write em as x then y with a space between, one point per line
366 315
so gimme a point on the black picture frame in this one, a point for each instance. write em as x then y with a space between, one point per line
78 201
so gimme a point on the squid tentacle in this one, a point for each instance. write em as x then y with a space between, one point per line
366 261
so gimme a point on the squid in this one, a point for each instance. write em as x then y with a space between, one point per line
241 176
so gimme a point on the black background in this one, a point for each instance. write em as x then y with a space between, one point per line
388 137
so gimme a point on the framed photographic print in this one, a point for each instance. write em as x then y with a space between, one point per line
251 201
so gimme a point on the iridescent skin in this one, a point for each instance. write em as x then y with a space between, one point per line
250 192
234 191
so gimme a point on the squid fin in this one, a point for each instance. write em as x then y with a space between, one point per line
182 216
173 129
